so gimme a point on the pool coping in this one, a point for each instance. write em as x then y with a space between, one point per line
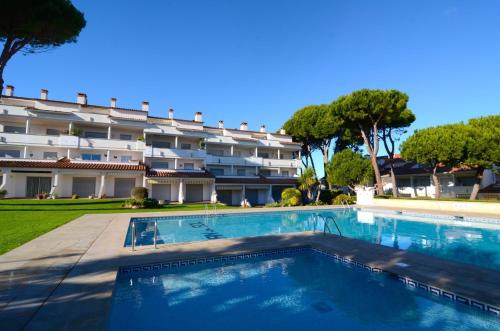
82 291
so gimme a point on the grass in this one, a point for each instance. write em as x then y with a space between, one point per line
22 220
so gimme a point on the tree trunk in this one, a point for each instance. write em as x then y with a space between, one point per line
437 185
373 151
477 183
393 181
379 186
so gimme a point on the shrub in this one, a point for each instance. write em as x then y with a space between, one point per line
291 197
326 196
3 193
139 193
75 196
141 203
343 197
273 205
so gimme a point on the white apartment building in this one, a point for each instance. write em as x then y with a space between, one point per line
67 148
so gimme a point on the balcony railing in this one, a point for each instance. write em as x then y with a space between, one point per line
69 141
281 163
232 160
151 151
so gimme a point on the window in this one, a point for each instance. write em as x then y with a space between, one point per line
185 146
125 136
285 173
125 158
264 155
50 155
188 166
216 152
91 157
159 165
161 144
53 132
217 171
421 181
403 182
101 135
237 153
240 172
265 172
10 153
14 129
465 181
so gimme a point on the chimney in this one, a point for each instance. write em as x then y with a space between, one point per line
244 126
221 124
282 131
263 128
113 102
9 90
81 99
171 114
44 94
198 116
145 106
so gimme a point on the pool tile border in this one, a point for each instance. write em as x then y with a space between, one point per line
411 284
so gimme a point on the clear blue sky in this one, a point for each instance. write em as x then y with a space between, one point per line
260 60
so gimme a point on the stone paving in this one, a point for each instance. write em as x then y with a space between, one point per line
64 279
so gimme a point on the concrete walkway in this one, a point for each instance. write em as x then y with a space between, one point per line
64 279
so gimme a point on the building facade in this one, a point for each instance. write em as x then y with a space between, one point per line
415 180
74 148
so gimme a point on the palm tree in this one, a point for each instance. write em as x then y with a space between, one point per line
306 181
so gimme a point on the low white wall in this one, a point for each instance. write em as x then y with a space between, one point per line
448 206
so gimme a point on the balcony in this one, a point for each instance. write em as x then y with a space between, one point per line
69 141
283 163
175 153
232 160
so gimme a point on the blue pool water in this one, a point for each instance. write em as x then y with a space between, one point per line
462 241
291 291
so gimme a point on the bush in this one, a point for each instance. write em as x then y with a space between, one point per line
273 205
141 203
291 197
139 193
3 193
384 196
326 196
75 196
343 197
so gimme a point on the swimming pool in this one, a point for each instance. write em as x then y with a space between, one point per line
299 289
472 241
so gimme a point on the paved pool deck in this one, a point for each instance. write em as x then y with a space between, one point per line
64 279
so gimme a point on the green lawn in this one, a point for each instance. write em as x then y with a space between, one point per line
22 220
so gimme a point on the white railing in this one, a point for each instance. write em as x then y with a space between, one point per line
28 139
175 153
283 163
111 144
233 160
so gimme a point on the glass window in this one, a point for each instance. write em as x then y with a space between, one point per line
403 182
465 181
188 166
159 165
240 172
216 152
53 132
10 153
125 136
217 171
125 158
91 157
421 181
285 173
50 155
14 129
264 155
161 144
90 134
265 172
185 146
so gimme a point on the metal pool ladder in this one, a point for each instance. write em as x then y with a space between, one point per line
325 227
211 212
134 235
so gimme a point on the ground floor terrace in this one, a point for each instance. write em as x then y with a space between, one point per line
65 278
65 178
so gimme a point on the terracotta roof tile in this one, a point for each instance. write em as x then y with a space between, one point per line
178 174
255 180
65 163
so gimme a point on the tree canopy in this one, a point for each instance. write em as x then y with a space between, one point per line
441 145
366 112
32 25
349 168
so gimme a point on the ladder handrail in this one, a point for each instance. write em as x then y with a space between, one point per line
155 233
133 235
325 219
